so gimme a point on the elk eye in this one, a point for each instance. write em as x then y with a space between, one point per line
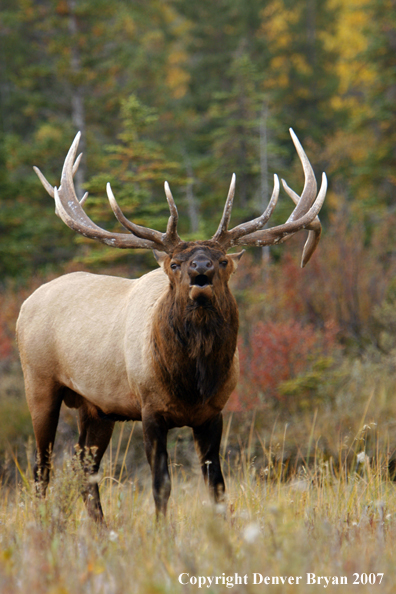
224 263
174 266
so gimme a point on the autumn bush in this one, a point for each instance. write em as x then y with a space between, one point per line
11 298
9 305
5 344
282 364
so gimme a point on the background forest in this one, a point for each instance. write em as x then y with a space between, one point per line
191 92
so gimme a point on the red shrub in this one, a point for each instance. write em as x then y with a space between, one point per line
277 352
11 299
5 345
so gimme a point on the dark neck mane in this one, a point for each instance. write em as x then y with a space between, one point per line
194 346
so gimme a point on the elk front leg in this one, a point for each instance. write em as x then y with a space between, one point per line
207 440
44 403
155 434
94 438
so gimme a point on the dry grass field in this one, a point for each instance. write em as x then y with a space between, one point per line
328 526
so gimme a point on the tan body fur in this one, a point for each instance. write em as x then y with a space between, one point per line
96 342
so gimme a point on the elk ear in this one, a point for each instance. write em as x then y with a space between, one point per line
235 258
160 257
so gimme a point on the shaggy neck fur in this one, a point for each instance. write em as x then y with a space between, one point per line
194 344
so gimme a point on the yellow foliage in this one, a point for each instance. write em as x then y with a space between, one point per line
49 132
279 62
350 41
300 64
154 39
281 66
353 104
177 78
332 200
169 13
276 22
280 78
177 57
347 152
344 147
6 555
128 25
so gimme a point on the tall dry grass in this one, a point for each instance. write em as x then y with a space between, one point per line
323 520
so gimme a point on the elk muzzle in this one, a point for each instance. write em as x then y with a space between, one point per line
201 271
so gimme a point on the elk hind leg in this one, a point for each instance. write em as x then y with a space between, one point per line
95 435
207 438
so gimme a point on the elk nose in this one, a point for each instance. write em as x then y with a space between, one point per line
202 265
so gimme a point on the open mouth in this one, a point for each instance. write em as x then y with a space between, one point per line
201 280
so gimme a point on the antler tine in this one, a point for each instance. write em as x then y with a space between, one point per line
314 233
222 229
84 198
171 229
86 227
293 195
77 164
314 229
50 189
138 230
44 181
231 236
69 168
310 186
165 241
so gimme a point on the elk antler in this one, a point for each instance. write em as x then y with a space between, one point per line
69 208
304 216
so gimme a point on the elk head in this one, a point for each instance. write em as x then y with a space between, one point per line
198 271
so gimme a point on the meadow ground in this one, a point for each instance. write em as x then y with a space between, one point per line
325 520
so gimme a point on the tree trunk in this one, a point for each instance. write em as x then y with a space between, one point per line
192 208
77 96
311 31
265 252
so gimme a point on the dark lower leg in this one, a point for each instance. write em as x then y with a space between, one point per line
94 438
45 423
155 435
207 440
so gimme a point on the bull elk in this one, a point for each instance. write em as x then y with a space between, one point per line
161 349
